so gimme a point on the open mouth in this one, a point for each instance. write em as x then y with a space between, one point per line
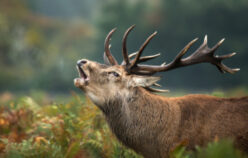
82 74
83 80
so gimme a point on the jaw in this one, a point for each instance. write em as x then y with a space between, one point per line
80 83
83 80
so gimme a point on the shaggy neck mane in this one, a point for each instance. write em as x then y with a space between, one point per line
132 118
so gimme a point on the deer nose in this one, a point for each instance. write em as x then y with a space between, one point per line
81 62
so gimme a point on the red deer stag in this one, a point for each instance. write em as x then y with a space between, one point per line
151 124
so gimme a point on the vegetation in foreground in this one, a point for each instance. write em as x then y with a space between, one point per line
32 127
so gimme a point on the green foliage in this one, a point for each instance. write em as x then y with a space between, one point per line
29 149
218 149
218 94
39 128
122 152
41 41
75 129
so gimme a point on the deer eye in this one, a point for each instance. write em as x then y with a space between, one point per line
114 73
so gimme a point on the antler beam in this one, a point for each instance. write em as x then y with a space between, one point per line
203 54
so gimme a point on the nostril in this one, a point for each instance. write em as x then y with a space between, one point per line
81 62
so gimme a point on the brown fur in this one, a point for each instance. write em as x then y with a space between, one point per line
154 125
158 124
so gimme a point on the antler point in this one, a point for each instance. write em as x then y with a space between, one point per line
234 53
193 41
133 25
237 69
156 84
205 39
221 41
163 64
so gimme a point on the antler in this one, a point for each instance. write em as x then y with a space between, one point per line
137 58
203 54
107 53
124 45
142 59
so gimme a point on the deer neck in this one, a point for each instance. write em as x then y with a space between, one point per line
134 117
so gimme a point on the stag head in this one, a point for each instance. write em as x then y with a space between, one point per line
101 82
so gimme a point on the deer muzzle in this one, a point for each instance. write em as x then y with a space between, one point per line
83 78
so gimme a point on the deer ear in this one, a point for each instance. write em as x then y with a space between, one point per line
144 81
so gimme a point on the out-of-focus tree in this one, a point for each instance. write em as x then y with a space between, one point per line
40 41
38 51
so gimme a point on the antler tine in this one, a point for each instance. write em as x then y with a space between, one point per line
226 56
142 59
223 68
157 90
146 58
129 57
124 45
134 63
218 44
132 55
107 48
185 49
203 54
157 85
217 60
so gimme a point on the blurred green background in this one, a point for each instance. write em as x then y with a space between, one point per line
41 40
